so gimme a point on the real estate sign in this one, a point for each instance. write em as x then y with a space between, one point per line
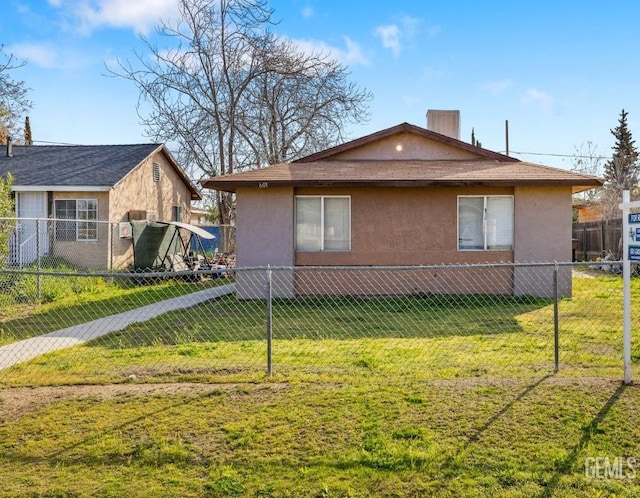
634 237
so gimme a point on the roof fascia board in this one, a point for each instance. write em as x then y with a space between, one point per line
232 186
60 188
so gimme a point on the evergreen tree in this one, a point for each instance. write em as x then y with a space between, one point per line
621 171
28 140
473 138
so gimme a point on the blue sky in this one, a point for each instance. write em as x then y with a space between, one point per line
559 71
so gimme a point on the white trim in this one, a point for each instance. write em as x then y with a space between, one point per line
59 188
77 219
322 241
484 221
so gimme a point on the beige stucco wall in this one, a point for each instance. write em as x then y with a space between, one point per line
543 217
405 146
403 226
85 254
265 237
138 191
407 227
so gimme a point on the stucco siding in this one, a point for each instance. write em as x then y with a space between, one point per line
265 237
138 191
407 227
403 226
389 282
542 234
405 146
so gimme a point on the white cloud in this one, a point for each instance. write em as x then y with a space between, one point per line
541 99
50 55
410 25
390 37
307 12
497 87
394 35
352 54
140 15
40 54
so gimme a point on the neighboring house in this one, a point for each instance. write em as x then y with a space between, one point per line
199 216
590 211
93 183
404 196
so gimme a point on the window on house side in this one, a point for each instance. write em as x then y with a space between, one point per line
82 215
323 223
485 223
176 213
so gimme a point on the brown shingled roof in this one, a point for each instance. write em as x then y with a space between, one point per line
403 173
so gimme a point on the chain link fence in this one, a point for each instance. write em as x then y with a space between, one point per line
98 246
252 324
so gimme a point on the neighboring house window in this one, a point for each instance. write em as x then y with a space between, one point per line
323 223
176 213
82 215
156 172
485 222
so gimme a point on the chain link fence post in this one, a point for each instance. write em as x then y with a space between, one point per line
556 321
39 260
268 298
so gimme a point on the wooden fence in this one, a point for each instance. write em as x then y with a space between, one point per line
596 238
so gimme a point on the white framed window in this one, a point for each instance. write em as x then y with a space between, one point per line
485 222
323 223
81 214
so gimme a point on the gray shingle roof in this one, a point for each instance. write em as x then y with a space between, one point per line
73 165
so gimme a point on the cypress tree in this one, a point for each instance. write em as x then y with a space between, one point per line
621 171
27 132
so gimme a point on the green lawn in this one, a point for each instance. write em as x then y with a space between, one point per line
335 338
415 396
69 300
365 438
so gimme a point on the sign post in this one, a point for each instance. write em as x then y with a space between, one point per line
630 252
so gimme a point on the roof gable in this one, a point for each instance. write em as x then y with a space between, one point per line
404 156
405 142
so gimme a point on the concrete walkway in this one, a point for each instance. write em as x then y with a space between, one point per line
18 352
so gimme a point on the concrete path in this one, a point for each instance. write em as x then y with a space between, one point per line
15 353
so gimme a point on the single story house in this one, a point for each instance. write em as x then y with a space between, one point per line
437 199
93 184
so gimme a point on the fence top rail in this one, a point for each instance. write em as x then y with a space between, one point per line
421 267
236 270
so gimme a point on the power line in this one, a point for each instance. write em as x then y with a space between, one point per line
573 156
52 143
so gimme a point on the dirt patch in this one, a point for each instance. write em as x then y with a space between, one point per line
18 401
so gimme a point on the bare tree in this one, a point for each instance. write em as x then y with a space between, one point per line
299 105
231 95
587 161
13 96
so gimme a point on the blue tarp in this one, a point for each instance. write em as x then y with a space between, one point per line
210 246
